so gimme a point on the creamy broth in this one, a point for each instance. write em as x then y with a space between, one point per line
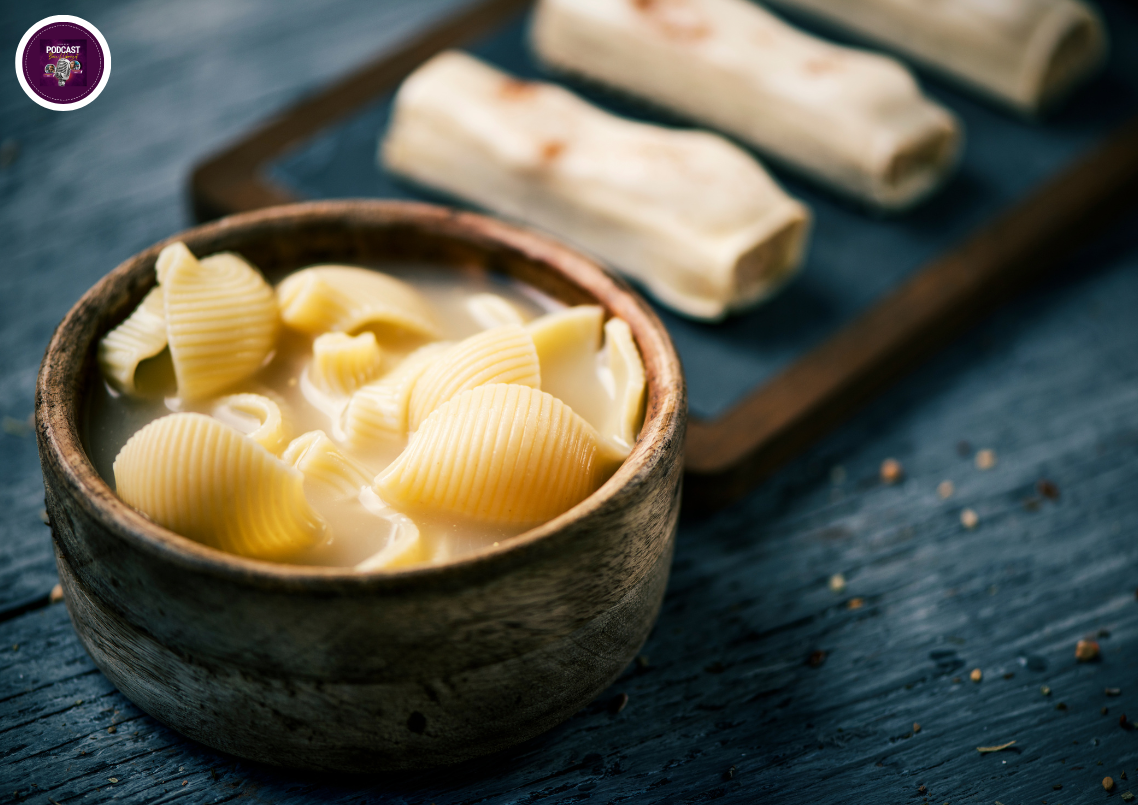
358 528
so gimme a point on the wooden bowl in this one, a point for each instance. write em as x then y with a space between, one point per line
326 668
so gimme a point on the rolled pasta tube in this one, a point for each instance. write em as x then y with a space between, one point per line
691 216
1027 54
851 119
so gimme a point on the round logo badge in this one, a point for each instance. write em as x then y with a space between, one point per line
63 63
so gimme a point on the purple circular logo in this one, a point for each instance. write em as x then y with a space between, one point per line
63 63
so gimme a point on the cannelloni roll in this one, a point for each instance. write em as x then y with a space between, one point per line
851 119
691 216
1026 53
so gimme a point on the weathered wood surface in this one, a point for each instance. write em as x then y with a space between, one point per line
1051 383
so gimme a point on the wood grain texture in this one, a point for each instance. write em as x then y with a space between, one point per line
1050 382
332 669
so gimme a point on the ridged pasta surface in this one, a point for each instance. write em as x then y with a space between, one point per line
272 431
341 363
502 454
324 466
204 480
221 319
344 299
141 336
500 355
377 412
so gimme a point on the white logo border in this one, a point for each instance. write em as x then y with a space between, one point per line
63 107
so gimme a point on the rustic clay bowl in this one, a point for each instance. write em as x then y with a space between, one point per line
330 669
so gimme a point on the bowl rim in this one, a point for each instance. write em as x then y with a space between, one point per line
59 414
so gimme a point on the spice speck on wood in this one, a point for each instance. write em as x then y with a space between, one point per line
1126 795
816 659
1046 691
999 748
729 774
837 583
916 727
976 675
1124 723
1047 489
985 459
56 594
1061 706
1108 783
856 603
945 489
1086 651
891 471
969 519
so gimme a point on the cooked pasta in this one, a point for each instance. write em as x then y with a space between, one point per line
377 412
341 363
324 466
491 310
221 321
500 355
501 453
270 430
344 299
204 480
141 336
625 370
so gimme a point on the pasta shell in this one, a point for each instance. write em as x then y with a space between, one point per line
501 355
141 336
625 371
206 481
175 256
221 319
325 467
342 363
500 454
403 544
378 411
344 299
270 431
490 310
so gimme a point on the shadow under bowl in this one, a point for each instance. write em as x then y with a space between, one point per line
327 668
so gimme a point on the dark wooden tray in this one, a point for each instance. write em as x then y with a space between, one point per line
878 295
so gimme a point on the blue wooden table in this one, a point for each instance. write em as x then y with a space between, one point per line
763 681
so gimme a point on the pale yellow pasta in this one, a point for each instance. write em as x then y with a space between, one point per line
500 355
567 331
206 481
325 468
221 321
256 415
403 548
377 412
344 299
341 363
172 257
625 371
499 454
141 336
490 310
